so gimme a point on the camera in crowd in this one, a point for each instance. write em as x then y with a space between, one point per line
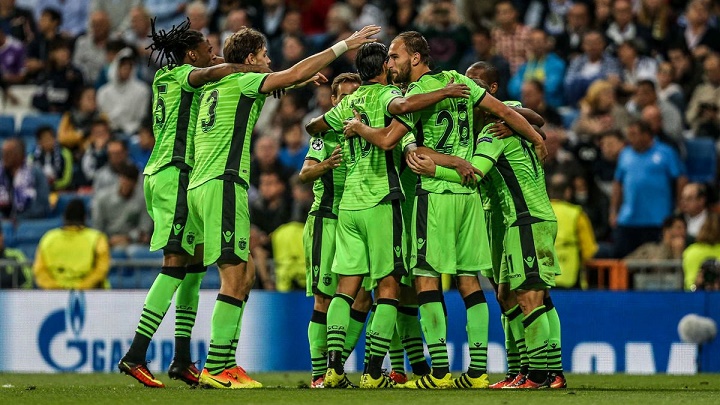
708 278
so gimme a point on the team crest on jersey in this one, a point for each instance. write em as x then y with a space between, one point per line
190 238
317 144
242 243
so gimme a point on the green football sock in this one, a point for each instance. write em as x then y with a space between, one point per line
554 342
408 327
477 330
432 320
317 336
368 336
338 318
514 316
224 326
537 333
156 305
397 354
186 306
231 360
355 328
383 327
511 350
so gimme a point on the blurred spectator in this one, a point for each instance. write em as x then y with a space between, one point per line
107 176
611 144
532 96
670 247
55 161
652 115
548 15
289 26
142 145
167 12
113 47
592 65
313 14
477 14
269 18
24 190
95 155
197 13
568 44
293 51
700 37
705 101
124 99
288 253
90 48
642 195
575 242
542 65
623 27
137 34
60 82
294 149
15 273
235 20
38 52
559 160
706 246
600 112
222 12
603 14
72 257
402 16
687 73
339 19
322 104
120 212
448 39
18 22
655 17
74 128
117 11
509 35
290 107
635 67
74 14
366 14
646 95
482 50
668 90
12 59
265 159
694 207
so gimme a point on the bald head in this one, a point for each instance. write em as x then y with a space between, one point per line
653 117
13 154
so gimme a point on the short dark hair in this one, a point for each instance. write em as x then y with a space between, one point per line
100 121
415 43
53 14
129 171
670 221
557 186
75 212
484 31
243 43
642 126
615 133
344 78
647 82
42 130
539 86
119 141
370 60
492 75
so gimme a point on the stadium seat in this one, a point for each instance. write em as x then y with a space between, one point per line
30 142
31 123
8 231
143 253
31 230
701 160
28 250
65 198
7 126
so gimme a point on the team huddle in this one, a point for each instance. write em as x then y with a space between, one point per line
417 174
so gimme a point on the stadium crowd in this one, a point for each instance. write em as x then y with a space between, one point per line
629 90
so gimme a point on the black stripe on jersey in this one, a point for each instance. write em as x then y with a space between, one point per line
506 170
529 257
313 159
181 128
392 173
397 247
237 144
228 237
477 103
174 242
327 199
316 258
419 134
421 220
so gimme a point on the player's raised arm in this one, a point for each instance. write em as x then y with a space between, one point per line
511 117
202 76
308 67
417 102
317 125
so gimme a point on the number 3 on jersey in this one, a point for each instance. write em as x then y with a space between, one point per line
208 121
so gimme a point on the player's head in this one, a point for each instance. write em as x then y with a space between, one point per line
370 60
407 51
75 212
246 46
486 72
344 84
180 45
559 187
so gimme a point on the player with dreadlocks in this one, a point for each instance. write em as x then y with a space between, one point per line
188 64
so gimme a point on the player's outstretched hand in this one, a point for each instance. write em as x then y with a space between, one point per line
359 38
335 158
454 90
541 151
317 79
500 130
421 164
351 125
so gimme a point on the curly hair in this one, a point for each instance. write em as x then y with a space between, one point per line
171 46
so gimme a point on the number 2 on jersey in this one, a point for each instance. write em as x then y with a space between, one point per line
209 121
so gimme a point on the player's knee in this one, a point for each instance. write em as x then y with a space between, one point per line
322 303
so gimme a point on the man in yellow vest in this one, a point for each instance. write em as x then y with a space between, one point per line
575 242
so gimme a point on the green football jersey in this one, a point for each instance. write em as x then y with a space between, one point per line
175 110
229 109
372 173
328 189
488 194
445 127
513 169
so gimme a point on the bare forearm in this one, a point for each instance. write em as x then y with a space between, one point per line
520 125
200 77
441 159
300 72
531 116
316 125
312 171
416 102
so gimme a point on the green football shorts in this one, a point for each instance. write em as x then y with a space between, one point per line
219 211
449 235
370 242
166 202
531 261
319 245
496 236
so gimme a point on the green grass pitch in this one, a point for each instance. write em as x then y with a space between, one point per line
291 388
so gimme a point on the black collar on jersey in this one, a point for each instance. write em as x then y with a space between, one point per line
430 72
369 83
